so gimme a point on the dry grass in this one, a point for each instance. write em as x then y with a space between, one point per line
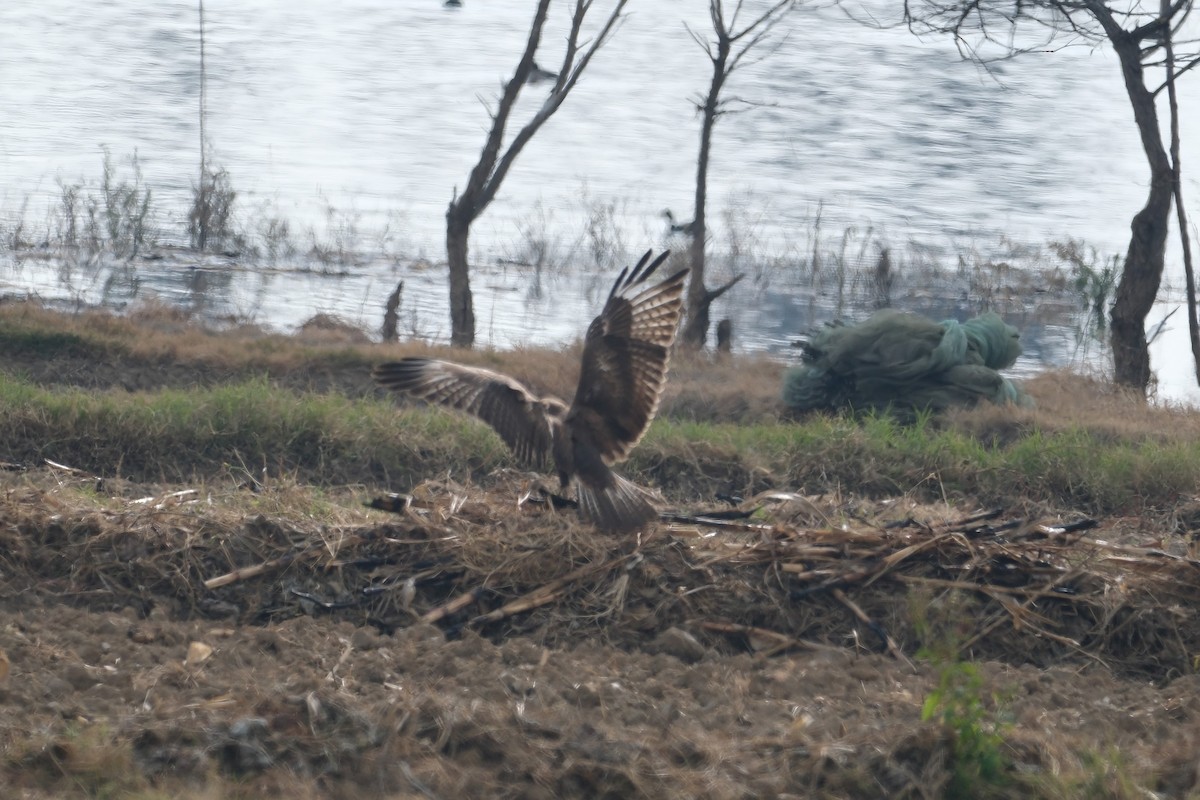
331 329
274 551
154 334
1067 401
810 575
744 388
159 346
208 402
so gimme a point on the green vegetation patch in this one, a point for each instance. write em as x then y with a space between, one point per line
879 456
179 435
317 437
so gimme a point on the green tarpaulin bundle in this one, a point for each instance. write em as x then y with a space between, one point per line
906 362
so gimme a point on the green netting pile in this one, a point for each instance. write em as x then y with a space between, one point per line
904 361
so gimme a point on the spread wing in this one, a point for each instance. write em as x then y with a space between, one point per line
522 420
625 358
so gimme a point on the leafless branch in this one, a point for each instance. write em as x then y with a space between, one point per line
1189 272
568 77
726 108
496 159
704 45
728 53
754 42
1186 68
483 173
716 293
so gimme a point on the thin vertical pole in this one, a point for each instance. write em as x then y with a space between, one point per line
202 227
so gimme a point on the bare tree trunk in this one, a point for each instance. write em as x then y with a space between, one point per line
725 337
481 187
1145 258
975 22
724 61
695 330
202 237
462 307
1189 274
702 318
390 330
495 161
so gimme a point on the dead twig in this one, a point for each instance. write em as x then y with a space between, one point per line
253 571
548 593
892 648
779 641
65 468
453 606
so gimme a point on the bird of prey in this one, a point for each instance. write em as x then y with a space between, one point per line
621 380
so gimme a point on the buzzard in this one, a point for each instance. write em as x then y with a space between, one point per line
624 370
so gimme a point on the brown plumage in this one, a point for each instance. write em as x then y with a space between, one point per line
621 379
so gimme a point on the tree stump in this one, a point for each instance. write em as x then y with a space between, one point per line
391 314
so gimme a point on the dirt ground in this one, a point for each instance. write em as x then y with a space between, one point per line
330 661
246 641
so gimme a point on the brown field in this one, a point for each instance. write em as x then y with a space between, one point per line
260 636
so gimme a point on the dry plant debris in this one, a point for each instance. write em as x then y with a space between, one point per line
477 642
798 572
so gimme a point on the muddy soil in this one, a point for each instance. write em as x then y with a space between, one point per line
118 685
331 709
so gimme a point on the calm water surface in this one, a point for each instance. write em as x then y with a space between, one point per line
376 109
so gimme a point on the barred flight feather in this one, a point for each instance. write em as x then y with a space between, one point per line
625 357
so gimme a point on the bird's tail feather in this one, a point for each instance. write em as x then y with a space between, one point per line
621 507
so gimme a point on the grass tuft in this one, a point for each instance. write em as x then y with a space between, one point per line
184 435
165 399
